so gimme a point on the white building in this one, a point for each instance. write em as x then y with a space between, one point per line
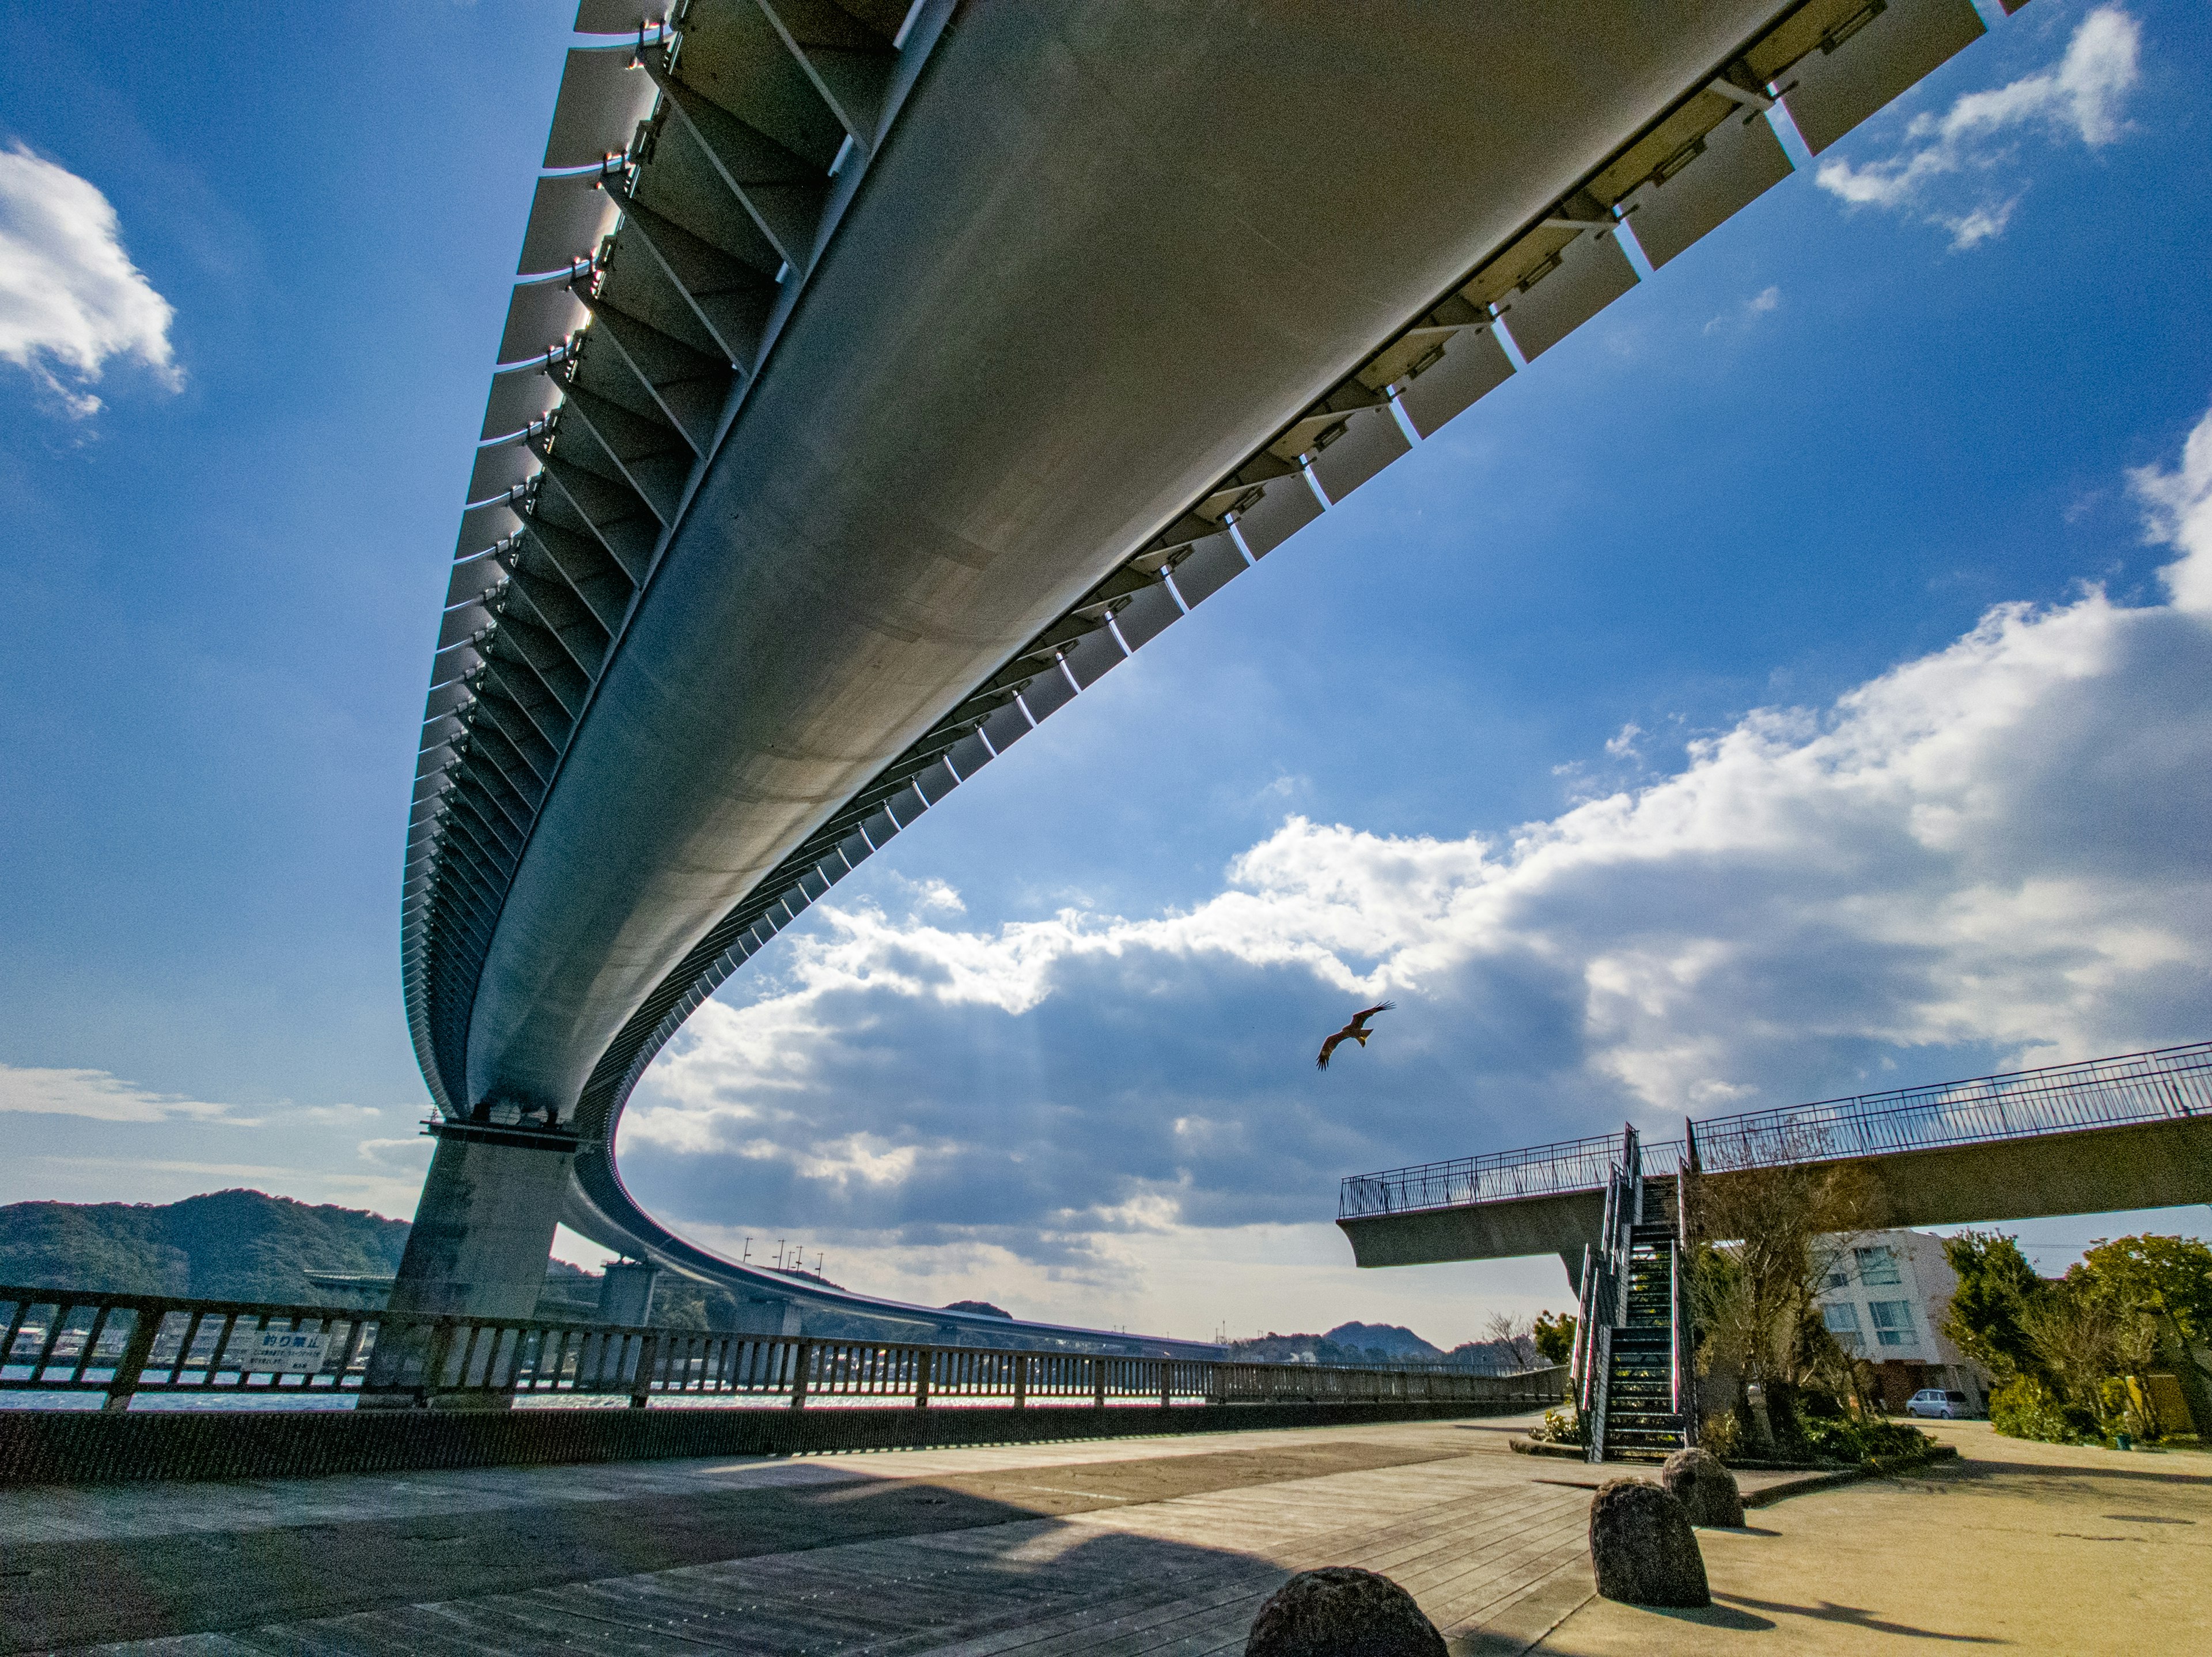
1885 1301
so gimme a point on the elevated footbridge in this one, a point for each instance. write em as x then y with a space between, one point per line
2129 1132
879 376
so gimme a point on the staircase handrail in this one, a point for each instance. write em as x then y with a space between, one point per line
1609 1308
1586 1297
1686 1322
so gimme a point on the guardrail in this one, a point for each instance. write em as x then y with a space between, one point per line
1569 1165
2166 1084
127 1346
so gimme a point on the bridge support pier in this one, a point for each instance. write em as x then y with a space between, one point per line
483 1225
626 1292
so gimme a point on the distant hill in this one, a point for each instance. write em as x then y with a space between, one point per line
1368 1344
249 1246
981 1308
1394 1339
228 1245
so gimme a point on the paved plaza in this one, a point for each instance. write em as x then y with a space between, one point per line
1164 1545
2035 1548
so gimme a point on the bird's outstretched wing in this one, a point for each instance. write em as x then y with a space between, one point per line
1327 1048
1359 1018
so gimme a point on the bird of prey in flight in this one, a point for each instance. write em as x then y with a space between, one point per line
1356 1031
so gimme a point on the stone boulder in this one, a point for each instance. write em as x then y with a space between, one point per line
1644 1548
1706 1490
1339 1611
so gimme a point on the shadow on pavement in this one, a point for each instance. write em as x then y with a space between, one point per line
380 1569
1856 1617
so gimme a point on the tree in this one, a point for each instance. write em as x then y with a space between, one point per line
1554 1334
2165 1284
2170 1276
2073 1355
1771 1235
1514 1338
1998 1292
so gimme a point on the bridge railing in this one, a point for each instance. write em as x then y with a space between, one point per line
2104 1092
216 1352
1569 1165
2162 1085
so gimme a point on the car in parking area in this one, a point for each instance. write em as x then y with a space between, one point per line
1933 1401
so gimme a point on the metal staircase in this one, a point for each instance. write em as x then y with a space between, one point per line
1635 1347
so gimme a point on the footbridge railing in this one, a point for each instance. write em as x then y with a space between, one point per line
2164 1084
218 1353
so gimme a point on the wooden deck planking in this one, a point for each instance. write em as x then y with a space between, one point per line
1131 1576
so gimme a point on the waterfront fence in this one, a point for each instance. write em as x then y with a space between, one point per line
126 1347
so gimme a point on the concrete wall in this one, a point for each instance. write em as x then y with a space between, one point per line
77 1446
1486 1230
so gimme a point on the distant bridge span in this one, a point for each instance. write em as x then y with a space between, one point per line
2130 1132
880 376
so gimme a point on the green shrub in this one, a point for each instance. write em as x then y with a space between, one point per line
1841 1438
1718 1434
2025 1408
2125 1406
1560 1426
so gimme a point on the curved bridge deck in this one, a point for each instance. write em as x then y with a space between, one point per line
880 376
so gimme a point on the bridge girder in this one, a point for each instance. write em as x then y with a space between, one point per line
879 377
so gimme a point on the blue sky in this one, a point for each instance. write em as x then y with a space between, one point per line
1656 733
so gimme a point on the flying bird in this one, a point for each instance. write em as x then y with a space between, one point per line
1356 1031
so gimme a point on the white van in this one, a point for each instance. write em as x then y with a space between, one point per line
1934 1401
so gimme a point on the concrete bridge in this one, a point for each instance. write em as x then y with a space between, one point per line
2130 1132
880 375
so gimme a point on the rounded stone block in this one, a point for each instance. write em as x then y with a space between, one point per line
1643 1547
1706 1490
1342 1612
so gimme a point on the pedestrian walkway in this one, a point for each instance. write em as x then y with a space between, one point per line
1127 1546
1130 1545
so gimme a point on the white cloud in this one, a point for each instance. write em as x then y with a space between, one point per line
335 1115
1995 855
71 299
2079 97
1767 299
2179 509
101 1096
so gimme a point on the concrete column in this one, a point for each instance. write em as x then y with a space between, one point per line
483 1225
626 1292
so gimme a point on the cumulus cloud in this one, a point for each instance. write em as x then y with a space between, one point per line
71 299
2178 507
1999 854
2080 96
101 1096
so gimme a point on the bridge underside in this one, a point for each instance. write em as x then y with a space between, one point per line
2092 1171
897 375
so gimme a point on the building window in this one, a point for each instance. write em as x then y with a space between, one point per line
1843 1321
1892 1322
1877 1267
1836 1280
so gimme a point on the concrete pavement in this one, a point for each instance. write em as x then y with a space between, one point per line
2033 1547
1125 1546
